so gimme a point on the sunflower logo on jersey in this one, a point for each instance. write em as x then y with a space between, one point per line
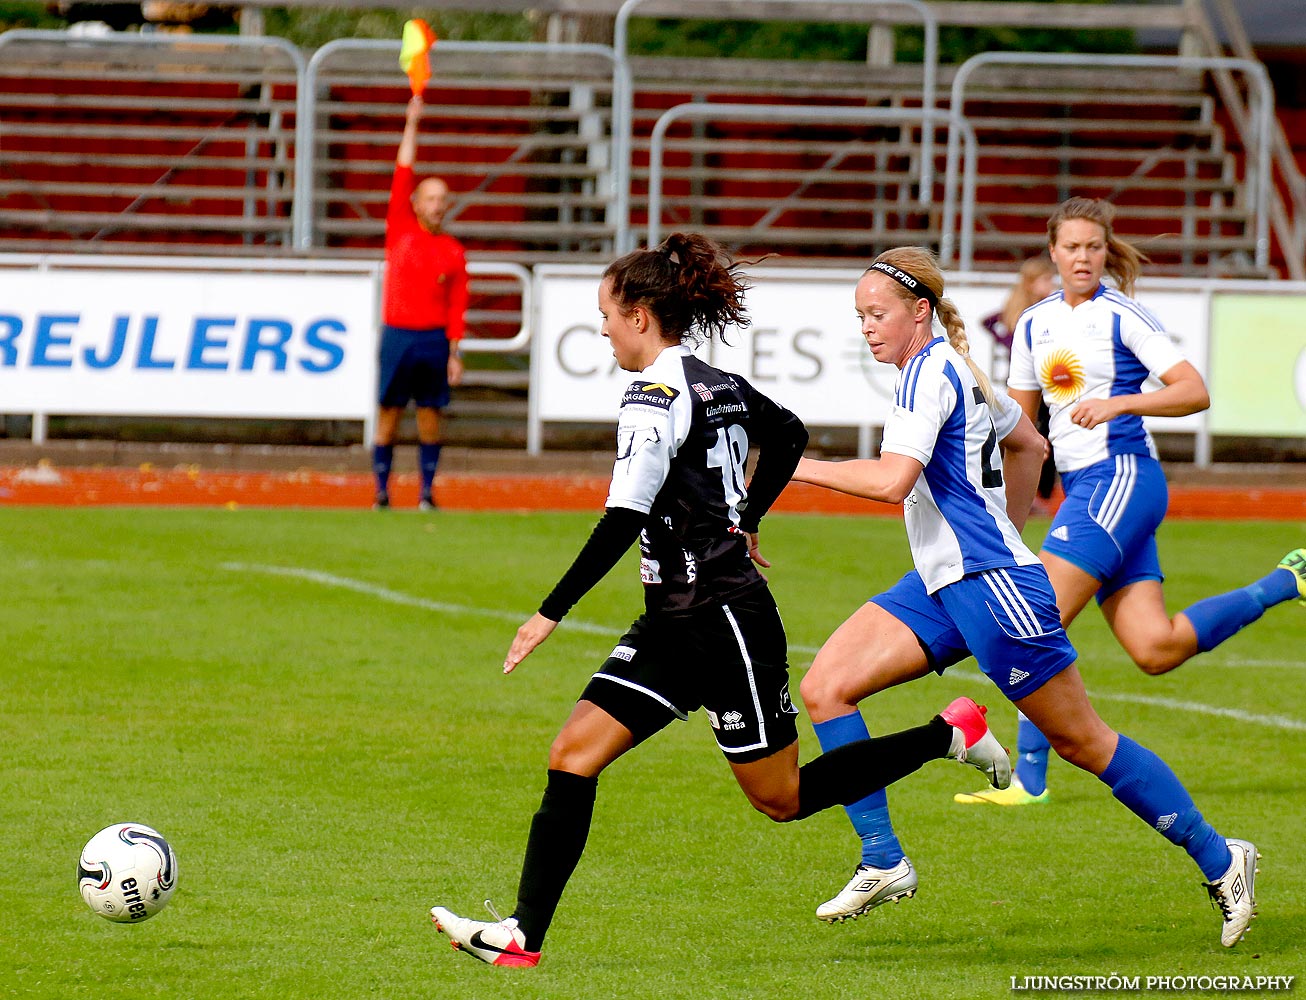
1062 376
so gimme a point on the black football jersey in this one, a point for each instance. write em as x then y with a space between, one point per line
683 439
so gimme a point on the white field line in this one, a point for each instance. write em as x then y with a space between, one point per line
592 628
397 597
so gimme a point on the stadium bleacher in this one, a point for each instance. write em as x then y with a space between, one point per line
197 143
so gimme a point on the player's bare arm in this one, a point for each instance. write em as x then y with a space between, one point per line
535 630
888 479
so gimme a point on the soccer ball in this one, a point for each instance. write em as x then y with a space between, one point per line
127 872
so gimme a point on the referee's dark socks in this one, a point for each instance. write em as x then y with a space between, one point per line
556 842
854 770
383 456
428 457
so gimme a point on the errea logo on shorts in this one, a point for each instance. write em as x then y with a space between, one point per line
732 720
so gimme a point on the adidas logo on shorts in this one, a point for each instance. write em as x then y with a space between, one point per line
1061 534
1016 676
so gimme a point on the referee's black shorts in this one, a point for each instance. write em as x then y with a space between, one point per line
413 364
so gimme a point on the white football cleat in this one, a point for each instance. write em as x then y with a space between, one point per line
973 743
1234 892
868 888
495 943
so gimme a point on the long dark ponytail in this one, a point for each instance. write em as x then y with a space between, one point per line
690 285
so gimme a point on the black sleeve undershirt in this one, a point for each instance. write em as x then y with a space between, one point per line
612 536
781 440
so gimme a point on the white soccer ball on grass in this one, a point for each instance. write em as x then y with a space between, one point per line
127 872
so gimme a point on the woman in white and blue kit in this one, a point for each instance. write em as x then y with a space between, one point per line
1087 352
977 588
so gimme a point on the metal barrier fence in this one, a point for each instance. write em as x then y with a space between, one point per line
140 145
1256 134
293 156
623 89
532 135
867 235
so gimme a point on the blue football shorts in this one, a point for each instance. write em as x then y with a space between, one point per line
1007 617
414 364
939 638
729 659
1009 620
1108 522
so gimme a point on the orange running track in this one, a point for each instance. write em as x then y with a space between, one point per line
194 486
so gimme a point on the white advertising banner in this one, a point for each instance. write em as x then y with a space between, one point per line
804 348
214 344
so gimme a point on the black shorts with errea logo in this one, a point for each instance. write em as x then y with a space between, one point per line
729 659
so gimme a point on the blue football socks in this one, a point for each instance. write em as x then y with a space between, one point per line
869 816
1032 756
1217 618
1151 791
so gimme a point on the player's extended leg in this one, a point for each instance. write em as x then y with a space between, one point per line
1213 620
869 652
590 740
428 453
1144 783
1153 640
383 451
777 787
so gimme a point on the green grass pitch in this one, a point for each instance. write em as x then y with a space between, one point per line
309 705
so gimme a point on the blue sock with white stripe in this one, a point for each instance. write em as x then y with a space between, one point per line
869 816
1032 756
1151 791
1217 618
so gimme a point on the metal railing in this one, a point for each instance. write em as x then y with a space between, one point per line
1258 179
828 115
1287 218
484 53
608 157
623 99
257 63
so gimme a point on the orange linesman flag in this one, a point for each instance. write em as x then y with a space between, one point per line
415 53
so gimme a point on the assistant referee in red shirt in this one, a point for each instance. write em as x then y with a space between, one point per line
423 312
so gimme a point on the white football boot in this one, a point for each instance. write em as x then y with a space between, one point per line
493 942
868 888
974 744
1234 892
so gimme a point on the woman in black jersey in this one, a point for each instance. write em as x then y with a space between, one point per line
710 635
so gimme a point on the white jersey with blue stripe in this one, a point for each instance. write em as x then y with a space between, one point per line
956 514
1107 346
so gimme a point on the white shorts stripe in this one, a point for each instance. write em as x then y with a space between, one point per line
1119 493
752 684
683 717
1013 603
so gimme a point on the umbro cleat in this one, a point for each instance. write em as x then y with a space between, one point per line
974 744
1015 795
1234 892
495 943
868 888
1295 563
